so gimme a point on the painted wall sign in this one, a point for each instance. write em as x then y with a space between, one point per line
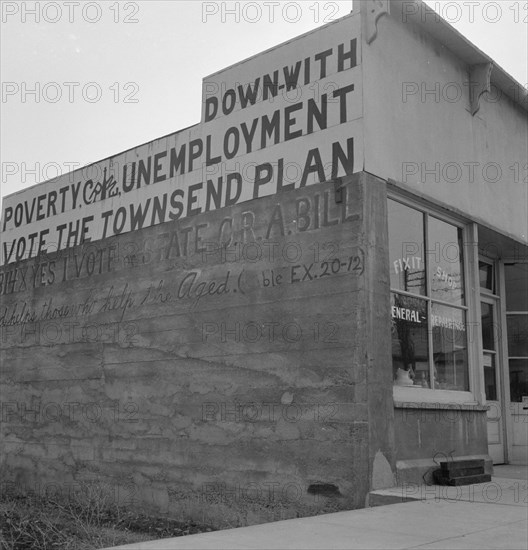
295 120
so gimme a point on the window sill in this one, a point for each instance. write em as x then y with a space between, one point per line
411 396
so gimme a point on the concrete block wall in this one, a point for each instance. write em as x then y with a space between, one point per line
232 385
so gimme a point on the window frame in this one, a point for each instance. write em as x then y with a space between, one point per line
411 395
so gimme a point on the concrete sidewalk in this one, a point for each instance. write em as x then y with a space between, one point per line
490 515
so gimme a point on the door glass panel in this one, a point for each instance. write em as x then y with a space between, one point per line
450 352
517 335
490 377
518 379
486 276
406 245
488 327
444 252
516 277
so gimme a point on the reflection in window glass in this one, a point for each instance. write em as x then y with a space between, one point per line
516 287
445 261
450 353
409 338
518 379
517 335
406 245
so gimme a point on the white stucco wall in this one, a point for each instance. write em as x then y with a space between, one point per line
430 141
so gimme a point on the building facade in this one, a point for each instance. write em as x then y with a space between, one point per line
318 290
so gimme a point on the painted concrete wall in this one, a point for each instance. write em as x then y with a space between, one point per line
423 435
235 385
419 131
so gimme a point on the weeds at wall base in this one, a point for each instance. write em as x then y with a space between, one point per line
29 522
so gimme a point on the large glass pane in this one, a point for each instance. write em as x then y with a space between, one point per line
516 276
518 379
486 276
444 252
406 245
450 352
490 376
517 335
488 328
409 339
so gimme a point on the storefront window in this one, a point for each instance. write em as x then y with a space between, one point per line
406 243
516 287
516 281
450 352
445 261
410 350
428 312
517 335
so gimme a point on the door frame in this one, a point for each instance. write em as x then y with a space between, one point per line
497 299
499 378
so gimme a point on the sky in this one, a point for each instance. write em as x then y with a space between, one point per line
84 80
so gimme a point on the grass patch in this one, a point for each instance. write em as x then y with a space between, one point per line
86 520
